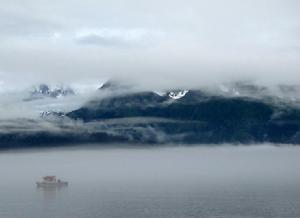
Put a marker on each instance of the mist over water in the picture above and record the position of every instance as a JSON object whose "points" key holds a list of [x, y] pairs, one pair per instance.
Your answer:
{"points": [[145, 72], [196, 181]]}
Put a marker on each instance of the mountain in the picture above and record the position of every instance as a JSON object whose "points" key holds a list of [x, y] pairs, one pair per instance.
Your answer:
{"points": [[195, 116], [44, 90], [232, 113]]}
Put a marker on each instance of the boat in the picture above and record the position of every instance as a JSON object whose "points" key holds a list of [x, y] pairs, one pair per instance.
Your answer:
{"points": [[51, 181]]}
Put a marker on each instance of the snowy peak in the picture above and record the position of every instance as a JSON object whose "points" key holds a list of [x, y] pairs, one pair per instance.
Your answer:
{"points": [[178, 94], [44, 90]]}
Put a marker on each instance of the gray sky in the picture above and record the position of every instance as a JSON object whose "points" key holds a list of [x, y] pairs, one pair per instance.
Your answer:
{"points": [[156, 43]]}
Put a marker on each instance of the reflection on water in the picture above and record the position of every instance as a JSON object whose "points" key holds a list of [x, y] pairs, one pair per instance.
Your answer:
{"points": [[179, 182], [51, 192]]}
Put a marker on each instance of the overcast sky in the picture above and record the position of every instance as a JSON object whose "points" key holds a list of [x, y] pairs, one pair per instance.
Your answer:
{"points": [[156, 43]]}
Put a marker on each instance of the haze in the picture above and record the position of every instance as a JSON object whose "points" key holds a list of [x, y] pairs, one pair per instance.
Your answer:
{"points": [[226, 181], [170, 164]]}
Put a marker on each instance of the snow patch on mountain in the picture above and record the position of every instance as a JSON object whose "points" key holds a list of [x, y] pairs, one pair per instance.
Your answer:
{"points": [[52, 115], [178, 94], [55, 91], [160, 93]]}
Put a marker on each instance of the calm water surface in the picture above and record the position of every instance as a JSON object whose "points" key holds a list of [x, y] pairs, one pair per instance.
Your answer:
{"points": [[198, 181]]}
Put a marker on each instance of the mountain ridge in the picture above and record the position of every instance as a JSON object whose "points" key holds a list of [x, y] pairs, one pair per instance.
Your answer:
{"points": [[184, 116]]}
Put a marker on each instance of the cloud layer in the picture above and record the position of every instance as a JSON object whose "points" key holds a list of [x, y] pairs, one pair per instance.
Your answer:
{"points": [[154, 43]]}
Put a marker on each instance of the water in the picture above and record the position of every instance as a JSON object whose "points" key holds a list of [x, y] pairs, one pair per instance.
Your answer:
{"points": [[199, 181]]}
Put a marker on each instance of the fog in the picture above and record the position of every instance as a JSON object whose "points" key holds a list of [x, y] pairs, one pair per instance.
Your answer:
{"points": [[130, 165], [145, 45], [16, 103], [181, 43], [127, 181]]}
